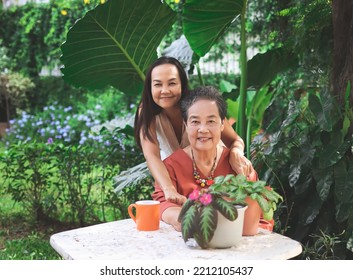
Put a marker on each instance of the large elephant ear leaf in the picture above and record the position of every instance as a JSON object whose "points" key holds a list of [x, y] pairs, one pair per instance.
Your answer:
{"points": [[114, 44], [205, 21], [264, 67]]}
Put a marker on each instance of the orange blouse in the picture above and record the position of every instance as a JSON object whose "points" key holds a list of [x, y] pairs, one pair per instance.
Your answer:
{"points": [[179, 166]]}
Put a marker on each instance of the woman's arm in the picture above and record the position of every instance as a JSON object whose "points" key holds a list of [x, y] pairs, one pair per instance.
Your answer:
{"points": [[157, 168], [233, 141], [170, 216]]}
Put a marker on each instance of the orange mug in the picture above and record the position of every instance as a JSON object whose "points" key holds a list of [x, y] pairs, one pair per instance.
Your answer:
{"points": [[147, 214]]}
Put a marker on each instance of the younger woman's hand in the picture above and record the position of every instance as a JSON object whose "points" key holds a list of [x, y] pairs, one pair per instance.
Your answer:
{"points": [[240, 163]]}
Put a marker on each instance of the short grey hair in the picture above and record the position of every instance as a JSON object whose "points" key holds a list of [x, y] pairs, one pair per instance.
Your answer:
{"points": [[203, 93]]}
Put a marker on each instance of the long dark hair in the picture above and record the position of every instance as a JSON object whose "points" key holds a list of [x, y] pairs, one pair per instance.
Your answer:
{"points": [[148, 109]]}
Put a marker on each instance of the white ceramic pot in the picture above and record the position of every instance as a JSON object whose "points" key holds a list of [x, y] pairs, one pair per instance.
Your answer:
{"points": [[228, 233]]}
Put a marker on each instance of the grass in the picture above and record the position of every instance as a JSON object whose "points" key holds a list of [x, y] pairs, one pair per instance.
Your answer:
{"points": [[21, 239], [33, 247]]}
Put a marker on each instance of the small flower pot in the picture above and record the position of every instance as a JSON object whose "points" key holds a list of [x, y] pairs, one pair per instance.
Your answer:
{"points": [[228, 233]]}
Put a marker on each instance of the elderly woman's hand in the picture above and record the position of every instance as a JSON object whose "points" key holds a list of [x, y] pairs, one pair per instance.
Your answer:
{"points": [[240, 163], [172, 195]]}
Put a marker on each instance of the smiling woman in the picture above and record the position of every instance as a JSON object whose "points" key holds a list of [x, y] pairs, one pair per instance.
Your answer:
{"points": [[204, 124], [160, 129], [166, 86]]}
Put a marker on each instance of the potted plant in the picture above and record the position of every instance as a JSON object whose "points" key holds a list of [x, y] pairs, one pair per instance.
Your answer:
{"points": [[226, 199]]}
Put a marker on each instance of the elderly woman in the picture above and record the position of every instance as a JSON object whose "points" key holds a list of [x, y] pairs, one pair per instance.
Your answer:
{"points": [[195, 166]]}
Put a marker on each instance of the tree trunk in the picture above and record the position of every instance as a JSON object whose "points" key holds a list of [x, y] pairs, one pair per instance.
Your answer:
{"points": [[342, 15]]}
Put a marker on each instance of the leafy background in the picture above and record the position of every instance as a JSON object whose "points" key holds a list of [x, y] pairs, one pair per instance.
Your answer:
{"points": [[298, 130]]}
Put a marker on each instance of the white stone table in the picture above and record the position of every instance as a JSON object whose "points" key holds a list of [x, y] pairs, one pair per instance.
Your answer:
{"points": [[121, 240]]}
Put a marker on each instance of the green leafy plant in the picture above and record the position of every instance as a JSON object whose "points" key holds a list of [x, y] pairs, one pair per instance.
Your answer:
{"points": [[324, 247], [199, 215], [28, 172], [55, 182], [239, 188], [309, 155]]}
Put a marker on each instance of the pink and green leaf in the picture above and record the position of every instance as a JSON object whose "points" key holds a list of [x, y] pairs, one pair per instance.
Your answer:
{"points": [[188, 222], [185, 208], [207, 222], [226, 208]]}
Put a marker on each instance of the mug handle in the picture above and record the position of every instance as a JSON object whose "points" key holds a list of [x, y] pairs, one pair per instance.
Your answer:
{"points": [[129, 210]]}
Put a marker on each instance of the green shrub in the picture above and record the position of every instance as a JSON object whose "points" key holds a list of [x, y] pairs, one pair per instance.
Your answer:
{"points": [[13, 98], [28, 172], [109, 104], [61, 182], [55, 122], [85, 178]]}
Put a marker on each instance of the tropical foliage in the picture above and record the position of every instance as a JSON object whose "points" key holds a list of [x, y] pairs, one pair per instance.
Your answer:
{"points": [[308, 155], [259, 74], [33, 33], [304, 114]]}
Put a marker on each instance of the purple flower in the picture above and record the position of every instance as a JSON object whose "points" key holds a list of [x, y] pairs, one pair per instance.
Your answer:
{"points": [[50, 140]]}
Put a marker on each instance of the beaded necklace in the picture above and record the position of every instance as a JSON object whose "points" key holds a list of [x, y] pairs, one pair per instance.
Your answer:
{"points": [[201, 181]]}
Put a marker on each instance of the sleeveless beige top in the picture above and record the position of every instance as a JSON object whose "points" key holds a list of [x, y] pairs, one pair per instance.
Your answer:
{"points": [[168, 142]]}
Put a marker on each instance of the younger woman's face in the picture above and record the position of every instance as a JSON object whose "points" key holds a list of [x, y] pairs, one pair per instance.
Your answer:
{"points": [[166, 86]]}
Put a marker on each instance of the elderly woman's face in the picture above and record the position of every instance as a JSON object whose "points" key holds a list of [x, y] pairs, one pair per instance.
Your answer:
{"points": [[204, 125]]}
